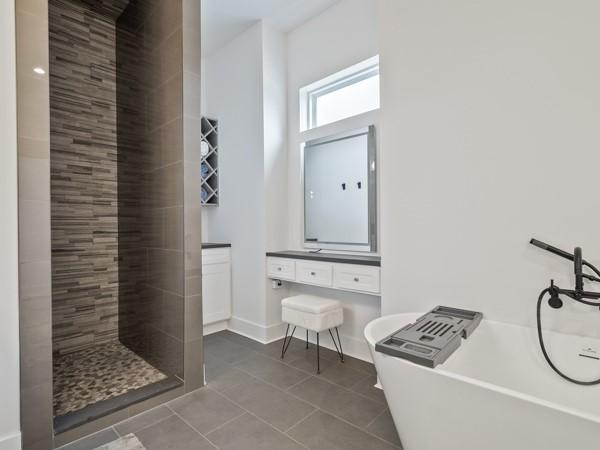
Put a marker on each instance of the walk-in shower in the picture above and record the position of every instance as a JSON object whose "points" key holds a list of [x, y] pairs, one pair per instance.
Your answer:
{"points": [[124, 239]]}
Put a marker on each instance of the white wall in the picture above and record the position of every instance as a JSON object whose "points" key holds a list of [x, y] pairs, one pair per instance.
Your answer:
{"points": [[274, 60], [245, 89], [234, 97], [489, 137], [340, 37], [9, 298]]}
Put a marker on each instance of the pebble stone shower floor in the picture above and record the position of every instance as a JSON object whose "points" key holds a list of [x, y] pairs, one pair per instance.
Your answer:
{"points": [[99, 373]]}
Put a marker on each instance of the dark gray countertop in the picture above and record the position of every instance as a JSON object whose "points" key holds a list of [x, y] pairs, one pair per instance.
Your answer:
{"points": [[208, 245], [342, 258]]}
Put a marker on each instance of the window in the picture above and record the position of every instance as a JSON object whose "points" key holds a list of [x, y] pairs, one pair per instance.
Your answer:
{"points": [[345, 94]]}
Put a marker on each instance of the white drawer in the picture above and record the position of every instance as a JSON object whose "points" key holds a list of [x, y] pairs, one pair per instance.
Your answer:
{"points": [[281, 269], [216, 255], [317, 273], [356, 278]]}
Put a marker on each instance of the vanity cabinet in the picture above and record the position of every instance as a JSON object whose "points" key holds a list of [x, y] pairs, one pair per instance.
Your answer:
{"points": [[335, 275], [216, 285]]}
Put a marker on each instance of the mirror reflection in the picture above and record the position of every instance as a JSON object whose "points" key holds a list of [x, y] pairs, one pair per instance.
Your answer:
{"points": [[339, 191]]}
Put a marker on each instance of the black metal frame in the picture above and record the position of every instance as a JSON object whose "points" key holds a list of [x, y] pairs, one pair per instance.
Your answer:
{"points": [[338, 345]]}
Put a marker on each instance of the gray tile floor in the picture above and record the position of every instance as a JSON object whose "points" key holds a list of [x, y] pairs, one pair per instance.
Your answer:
{"points": [[254, 400]]}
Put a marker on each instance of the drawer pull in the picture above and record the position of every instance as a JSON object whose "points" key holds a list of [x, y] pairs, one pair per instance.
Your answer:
{"points": [[279, 269], [356, 279], [313, 274]]}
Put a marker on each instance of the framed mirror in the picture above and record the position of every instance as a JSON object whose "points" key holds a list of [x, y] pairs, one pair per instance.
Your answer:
{"points": [[340, 191]]}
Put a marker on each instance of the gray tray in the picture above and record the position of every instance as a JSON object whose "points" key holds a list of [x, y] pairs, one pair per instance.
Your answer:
{"points": [[433, 337]]}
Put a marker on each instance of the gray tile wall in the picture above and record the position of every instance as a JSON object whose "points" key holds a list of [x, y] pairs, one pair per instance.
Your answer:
{"points": [[150, 109], [83, 168], [35, 309], [193, 337]]}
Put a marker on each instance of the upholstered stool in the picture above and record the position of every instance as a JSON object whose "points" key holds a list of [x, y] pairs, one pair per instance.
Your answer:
{"points": [[315, 314]]}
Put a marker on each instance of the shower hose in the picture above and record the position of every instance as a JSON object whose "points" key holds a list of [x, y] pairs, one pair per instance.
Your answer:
{"points": [[543, 347]]}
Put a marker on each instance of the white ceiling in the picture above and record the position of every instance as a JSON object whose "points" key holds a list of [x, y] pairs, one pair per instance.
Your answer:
{"points": [[223, 20]]}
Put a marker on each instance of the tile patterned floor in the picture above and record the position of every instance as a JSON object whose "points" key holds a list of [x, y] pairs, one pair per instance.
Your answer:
{"points": [[98, 373], [253, 400]]}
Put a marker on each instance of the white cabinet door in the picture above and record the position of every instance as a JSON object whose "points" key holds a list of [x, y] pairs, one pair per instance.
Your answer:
{"points": [[216, 292]]}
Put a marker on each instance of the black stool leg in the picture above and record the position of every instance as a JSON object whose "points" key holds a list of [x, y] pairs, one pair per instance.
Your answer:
{"points": [[318, 359], [306, 339], [287, 330], [340, 341], [285, 346], [338, 350]]}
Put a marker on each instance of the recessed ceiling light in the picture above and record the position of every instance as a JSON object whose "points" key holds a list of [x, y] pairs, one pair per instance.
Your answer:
{"points": [[39, 71]]}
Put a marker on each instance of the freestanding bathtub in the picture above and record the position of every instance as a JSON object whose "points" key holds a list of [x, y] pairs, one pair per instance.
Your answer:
{"points": [[494, 393]]}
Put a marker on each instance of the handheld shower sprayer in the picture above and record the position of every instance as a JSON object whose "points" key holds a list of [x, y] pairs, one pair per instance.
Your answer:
{"points": [[578, 263], [578, 294]]}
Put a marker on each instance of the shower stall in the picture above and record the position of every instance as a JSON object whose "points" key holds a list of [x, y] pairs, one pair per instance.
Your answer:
{"points": [[124, 205]]}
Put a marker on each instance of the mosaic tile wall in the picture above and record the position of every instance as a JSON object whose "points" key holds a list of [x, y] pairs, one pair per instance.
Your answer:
{"points": [[83, 122]]}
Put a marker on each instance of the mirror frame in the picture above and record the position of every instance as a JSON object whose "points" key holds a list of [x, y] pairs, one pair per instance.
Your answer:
{"points": [[371, 246]]}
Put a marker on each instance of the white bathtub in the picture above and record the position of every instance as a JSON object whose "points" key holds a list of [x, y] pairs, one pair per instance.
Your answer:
{"points": [[494, 393]]}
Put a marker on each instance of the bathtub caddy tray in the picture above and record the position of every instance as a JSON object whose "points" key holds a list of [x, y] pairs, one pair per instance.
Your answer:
{"points": [[433, 337]]}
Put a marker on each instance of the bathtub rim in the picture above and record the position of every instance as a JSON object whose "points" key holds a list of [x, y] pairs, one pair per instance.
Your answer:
{"points": [[411, 317]]}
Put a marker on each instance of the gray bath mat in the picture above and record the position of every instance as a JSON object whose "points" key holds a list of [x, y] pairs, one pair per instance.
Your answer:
{"points": [[128, 442]]}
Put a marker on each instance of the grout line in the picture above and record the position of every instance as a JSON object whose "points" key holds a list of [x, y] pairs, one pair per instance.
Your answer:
{"points": [[224, 394], [343, 387], [303, 419], [310, 375], [225, 423], [192, 427], [257, 417], [318, 408], [115, 430], [299, 382], [290, 361], [266, 382], [375, 418], [154, 423], [328, 412], [82, 438]]}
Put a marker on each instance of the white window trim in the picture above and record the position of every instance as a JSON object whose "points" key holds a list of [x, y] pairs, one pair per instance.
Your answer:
{"points": [[313, 96], [308, 95]]}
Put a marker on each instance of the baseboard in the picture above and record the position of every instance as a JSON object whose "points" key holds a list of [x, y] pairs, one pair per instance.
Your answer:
{"points": [[215, 327], [12, 442], [352, 346], [255, 331]]}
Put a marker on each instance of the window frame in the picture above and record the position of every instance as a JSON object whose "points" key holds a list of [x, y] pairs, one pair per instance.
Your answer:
{"points": [[313, 95]]}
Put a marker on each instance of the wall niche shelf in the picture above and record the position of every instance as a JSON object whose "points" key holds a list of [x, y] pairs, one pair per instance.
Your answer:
{"points": [[209, 165]]}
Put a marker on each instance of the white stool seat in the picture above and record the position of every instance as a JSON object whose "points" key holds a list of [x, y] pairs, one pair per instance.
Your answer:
{"points": [[311, 303], [312, 312]]}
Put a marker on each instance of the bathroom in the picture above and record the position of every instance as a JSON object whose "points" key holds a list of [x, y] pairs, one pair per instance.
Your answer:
{"points": [[215, 212]]}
